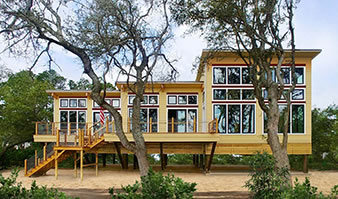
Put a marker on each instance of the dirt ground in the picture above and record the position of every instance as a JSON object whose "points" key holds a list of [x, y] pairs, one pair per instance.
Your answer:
{"points": [[216, 184]]}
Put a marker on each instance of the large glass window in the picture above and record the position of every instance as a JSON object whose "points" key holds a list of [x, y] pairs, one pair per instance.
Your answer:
{"points": [[219, 75], [298, 118], [299, 72], [248, 121], [73, 119], [234, 117], [248, 94], [64, 121], [145, 115], [285, 73], [183, 120], [234, 75], [298, 94], [246, 76], [220, 94], [234, 94], [220, 114]]}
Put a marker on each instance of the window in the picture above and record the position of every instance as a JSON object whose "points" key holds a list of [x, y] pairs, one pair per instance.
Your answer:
{"points": [[64, 103], [235, 119], [248, 121], [72, 119], [145, 115], [192, 99], [131, 99], [184, 120], [116, 102], [220, 94], [299, 72], [297, 123], [298, 94], [219, 75], [246, 76], [82, 102], [234, 94], [298, 118], [285, 73], [172, 100], [72, 103], [234, 75], [248, 94], [182, 99], [145, 100], [153, 100]]}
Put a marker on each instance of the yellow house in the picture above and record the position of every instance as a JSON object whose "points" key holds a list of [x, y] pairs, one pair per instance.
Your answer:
{"points": [[215, 114]]}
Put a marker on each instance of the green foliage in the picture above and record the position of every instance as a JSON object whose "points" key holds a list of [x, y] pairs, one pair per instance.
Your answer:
{"points": [[53, 78], [306, 190], [23, 101], [266, 181], [9, 189], [180, 159], [155, 185]]}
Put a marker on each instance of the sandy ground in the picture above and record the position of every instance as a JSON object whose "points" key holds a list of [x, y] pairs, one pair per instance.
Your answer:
{"points": [[217, 181]]}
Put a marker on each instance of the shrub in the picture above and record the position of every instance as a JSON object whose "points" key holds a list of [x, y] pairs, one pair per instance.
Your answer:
{"points": [[155, 185], [9, 189], [266, 181]]}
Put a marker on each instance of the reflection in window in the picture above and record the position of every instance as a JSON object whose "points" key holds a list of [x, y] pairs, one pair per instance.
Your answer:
{"points": [[145, 115], [282, 111], [299, 72], [131, 99], [234, 75], [82, 102], [220, 114], [72, 103], [248, 121], [248, 94], [246, 76], [145, 100], [82, 120], [172, 100], [285, 73], [234, 94], [234, 112], [116, 102], [192, 99], [219, 94], [298, 94], [192, 115], [153, 116], [153, 100], [182, 99], [298, 118], [64, 103], [219, 75], [64, 121]]}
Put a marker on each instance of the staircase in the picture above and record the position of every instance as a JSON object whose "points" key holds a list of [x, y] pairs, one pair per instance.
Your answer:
{"points": [[49, 163], [38, 168]]}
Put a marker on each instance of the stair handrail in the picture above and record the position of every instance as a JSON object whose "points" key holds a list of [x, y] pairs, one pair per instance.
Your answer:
{"points": [[39, 157]]}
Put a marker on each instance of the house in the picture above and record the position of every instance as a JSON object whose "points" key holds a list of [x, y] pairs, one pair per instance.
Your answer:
{"points": [[215, 114]]}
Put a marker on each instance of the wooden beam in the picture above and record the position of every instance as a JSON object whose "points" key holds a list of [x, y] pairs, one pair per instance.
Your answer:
{"points": [[119, 154], [305, 164], [81, 165], [56, 165], [75, 165], [25, 166], [125, 160], [135, 162], [211, 156], [161, 156], [96, 164], [36, 158]]}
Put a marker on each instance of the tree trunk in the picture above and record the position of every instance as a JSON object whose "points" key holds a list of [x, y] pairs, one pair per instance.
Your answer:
{"points": [[279, 152]]}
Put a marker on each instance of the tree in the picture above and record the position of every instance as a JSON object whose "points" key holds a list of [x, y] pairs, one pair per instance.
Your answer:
{"points": [[53, 78], [110, 33], [23, 101], [257, 31]]}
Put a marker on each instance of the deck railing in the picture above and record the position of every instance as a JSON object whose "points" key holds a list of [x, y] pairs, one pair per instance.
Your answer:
{"points": [[44, 154], [95, 130]]}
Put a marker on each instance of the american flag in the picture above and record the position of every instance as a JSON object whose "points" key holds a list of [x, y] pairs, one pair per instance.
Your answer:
{"points": [[101, 116]]}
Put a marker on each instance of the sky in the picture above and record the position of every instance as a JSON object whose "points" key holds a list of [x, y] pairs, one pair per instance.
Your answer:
{"points": [[316, 27]]}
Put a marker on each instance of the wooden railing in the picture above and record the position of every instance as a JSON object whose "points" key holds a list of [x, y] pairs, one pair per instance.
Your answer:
{"points": [[213, 126]]}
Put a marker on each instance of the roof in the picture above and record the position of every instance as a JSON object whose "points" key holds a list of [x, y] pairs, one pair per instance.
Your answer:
{"points": [[304, 53]]}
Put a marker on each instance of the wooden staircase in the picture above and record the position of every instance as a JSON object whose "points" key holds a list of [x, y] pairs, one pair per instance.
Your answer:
{"points": [[49, 163]]}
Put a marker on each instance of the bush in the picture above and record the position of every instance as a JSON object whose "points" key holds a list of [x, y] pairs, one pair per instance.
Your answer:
{"points": [[9, 188], [305, 190], [155, 185], [266, 181]]}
